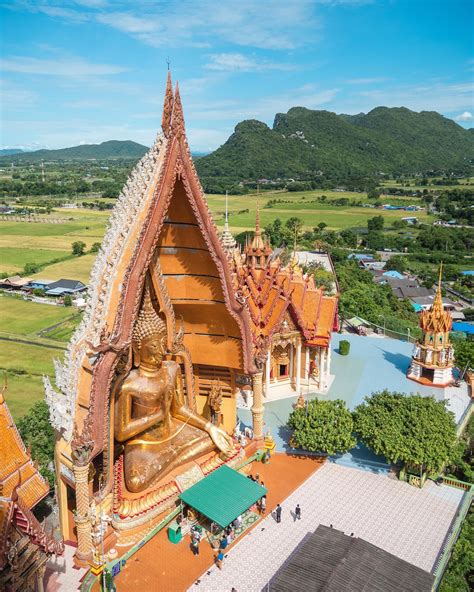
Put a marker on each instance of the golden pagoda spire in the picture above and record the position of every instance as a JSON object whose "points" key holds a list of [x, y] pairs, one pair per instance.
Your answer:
{"points": [[437, 307], [258, 232]]}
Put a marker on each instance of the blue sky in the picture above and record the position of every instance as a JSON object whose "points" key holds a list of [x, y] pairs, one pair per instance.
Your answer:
{"points": [[85, 71]]}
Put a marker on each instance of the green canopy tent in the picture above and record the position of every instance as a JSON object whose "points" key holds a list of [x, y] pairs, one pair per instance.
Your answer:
{"points": [[223, 495]]}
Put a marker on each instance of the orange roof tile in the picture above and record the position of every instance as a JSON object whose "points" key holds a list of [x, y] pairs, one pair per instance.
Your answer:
{"points": [[16, 466]]}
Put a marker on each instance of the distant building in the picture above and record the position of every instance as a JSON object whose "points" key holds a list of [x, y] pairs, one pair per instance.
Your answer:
{"points": [[38, 284], [410, 220], [63, 287], [393, 274], [14, 282]]}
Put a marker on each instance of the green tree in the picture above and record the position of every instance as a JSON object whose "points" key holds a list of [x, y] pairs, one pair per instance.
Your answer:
{"points": [[373, 193], [459, 576], [418, 431], [95, 247], [37, 434], [293, 228], [322, 426], [67, 300], [78, 248], [463, 353], [31, 268], [396, 263], [375, 223], [348, 237], [321, 226], [38, 292]]}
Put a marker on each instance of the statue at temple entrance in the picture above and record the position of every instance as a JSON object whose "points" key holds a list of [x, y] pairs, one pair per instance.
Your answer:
{"points": [[159, 431]]}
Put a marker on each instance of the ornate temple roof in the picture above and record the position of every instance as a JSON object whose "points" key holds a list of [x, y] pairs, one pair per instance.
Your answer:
{"points": [[436, 319], [21, 488], [162, 200], [270, 289], [17, 471]]}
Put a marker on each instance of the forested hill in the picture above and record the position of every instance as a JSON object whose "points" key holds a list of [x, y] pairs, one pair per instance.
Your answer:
{"points": [[106, 150], [304, 143]]}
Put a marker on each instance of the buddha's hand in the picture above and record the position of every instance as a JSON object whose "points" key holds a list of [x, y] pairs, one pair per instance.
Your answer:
{"points": [[221, 440]]}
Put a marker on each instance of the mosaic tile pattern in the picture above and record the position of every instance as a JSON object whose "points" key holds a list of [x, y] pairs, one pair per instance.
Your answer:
{"points": [[408, 522]]}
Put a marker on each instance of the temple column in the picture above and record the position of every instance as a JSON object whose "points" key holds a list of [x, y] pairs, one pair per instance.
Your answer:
{"points": [[298, 367], [306, 364], [257, 407], [82, 517], [267, 373], [292, 364], [329, 359]]}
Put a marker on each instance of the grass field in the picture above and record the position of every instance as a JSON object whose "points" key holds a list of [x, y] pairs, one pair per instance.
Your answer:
{"points": [[309, 210], [78, 268], [23, 242], [22, 393], [25, 363], [21, 317], [13, 259], [24, 366]]}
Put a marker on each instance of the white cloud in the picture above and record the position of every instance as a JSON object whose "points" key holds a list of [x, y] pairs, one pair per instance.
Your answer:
{"points": [[273, 24], [365, 80], [466, 116], [14, 96], [70, 67], [237, 62], [436, 96]]}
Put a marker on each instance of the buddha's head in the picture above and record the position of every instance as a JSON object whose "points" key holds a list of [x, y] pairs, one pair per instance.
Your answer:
{"points": [[149, 334]]}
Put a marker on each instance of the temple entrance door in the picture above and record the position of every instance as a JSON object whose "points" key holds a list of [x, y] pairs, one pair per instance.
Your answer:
{"points": [[283, 370], [71, 505], [428, 374]]}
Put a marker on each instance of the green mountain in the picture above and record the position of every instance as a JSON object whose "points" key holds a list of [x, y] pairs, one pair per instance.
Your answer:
{"points": [[10, 151], [107, 150], [304, 143]]}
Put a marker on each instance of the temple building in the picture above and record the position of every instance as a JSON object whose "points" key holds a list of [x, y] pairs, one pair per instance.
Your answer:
{"points": [[291, 318], [145, 402], [25, 546], [433, 355]]}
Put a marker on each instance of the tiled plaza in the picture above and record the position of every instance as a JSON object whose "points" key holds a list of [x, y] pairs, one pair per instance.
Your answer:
{"points": [[411, 523]]}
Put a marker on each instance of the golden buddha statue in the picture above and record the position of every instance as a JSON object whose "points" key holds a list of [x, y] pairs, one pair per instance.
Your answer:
{"points": [[158, 430]]}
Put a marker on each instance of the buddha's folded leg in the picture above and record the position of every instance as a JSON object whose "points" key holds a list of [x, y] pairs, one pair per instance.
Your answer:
{"points": [[146, 463]]}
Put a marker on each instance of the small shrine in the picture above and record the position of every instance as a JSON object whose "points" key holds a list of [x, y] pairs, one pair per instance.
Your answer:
{"points": [[291, 318], [433, 355]]}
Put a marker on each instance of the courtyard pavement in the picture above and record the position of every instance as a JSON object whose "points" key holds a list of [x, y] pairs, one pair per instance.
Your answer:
{"points": [[373, 364], [411, 523]]}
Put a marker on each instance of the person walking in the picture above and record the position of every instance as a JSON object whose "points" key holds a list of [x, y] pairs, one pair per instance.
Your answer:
{"points": [[278, 513], [220, 558], [297, 512], [263, 505]]}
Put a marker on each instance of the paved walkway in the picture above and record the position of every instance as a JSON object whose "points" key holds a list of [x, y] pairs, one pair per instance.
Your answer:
{"points": [[408, 522]]}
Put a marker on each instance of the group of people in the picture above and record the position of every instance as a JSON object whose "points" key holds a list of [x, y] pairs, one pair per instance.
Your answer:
{"points": [[296, 514], [262, 502]]}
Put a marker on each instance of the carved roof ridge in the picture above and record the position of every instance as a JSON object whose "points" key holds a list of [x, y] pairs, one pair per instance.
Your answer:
{"points": [[177, 118], [167, 107]]}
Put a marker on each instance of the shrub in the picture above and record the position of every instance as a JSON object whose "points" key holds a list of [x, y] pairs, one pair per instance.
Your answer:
{"points": [[344, 347]]}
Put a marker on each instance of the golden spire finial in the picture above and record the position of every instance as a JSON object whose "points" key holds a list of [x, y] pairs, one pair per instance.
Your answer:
{"points": [[437, 309], [257, 219]]}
